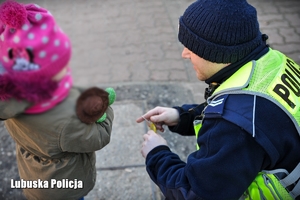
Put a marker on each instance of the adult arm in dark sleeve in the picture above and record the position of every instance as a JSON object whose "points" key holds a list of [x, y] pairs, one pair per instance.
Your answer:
{"points": [[187, 115], [223, 168]]}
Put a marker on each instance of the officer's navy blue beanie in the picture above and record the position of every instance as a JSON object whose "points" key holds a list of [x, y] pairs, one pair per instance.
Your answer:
{"points": [[220, 31]]}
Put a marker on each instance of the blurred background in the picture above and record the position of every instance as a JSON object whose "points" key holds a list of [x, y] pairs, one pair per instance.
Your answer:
{"points": [[132, 45]]}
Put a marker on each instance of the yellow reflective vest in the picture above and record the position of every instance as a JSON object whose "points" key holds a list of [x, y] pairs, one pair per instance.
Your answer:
{"points": [[276, 78]]}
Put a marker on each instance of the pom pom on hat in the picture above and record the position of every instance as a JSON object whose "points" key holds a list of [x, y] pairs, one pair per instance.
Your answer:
{"points": [[13, 14], [220, 31]]}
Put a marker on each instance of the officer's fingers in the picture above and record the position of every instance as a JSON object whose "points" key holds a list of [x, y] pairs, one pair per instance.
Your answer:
{"points": [[145, 136]]}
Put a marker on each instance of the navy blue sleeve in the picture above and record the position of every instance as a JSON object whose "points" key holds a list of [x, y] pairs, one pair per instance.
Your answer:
{"points": [[187, 114], [227, 156], [230, 154]]}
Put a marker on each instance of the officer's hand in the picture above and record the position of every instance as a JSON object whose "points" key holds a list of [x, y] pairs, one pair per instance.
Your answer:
{"points": [[151, 140], [161, 116]]}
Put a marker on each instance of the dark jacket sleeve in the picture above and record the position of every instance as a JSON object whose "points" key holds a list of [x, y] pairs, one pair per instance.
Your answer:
{"points": [[229, 157], [224, 153], [187, 115], [80, 137]]}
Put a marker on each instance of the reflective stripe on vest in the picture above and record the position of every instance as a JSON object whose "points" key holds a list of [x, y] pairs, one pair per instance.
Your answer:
{"points": [[266, 186], [197, 127], [278, 80], [274, 77]]}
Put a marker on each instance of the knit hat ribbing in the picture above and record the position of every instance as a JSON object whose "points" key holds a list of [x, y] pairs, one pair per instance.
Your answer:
{"points": [[220, 31]]}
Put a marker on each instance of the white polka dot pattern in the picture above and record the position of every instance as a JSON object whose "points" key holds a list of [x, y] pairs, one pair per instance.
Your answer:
{"points": [[25, 27], [54, 57], [5, 59], [42, 54], [31, 36], [46, 104], [67, 45], [50, 47], [67, 85], [44, 26], [16, 39], [45, 39], [56, 43], [38, 16], [54, 98]]}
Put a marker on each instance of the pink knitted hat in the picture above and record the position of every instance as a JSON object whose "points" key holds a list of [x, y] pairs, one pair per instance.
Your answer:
{"points": [[32, 50]]}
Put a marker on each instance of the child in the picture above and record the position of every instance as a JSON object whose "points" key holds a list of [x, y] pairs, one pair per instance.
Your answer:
{"points": [[55, 150]]}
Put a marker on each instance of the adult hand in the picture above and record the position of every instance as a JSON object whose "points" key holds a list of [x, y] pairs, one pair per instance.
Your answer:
{"points": [[151, 140], [161, 116]]}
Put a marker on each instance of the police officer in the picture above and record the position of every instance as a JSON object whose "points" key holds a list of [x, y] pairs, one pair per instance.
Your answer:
{"points": [[248, 128]]}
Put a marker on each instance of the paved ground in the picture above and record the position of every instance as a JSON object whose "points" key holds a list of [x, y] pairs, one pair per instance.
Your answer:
{"points": [[132, 46]]}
